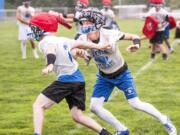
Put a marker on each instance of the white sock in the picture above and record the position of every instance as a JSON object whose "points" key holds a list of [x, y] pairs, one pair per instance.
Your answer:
{"points": [[35, 53], [148, 108], [98, 109], [23, 49]]}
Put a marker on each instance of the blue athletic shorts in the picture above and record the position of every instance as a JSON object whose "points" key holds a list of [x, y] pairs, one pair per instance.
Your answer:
{"points": [[166, 32], [105, 86]]}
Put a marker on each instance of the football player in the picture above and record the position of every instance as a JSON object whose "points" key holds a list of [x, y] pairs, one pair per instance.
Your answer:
{"points": [[70, 84], [113, 71], [161, 15], [80, 5], [109, 14], [24, 14]]}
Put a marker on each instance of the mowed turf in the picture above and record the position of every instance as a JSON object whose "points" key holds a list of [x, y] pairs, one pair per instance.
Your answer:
{"points": [[21, 81]]}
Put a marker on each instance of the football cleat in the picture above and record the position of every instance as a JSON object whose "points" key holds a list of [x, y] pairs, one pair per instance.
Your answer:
{"points": [[126, 132], [171, 129]]}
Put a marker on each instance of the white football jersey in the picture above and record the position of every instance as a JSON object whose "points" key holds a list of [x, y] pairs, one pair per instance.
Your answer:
{"points": [[160, 16], [26, 13], [65, 64], [108, 61], [109, 14]]}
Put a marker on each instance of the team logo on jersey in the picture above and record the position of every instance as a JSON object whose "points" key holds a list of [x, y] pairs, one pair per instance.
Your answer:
{"points": [[149, 26], [130, 91], [65, 47]]}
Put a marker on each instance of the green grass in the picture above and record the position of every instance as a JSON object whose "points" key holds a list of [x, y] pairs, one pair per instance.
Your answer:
{"points": [[21, 81]]}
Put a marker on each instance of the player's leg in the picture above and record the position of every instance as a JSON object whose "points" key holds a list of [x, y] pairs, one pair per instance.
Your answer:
{"points": [[76, 102], [163, 51], [168, 44], [54, 93], [33, 45], [166, 39], [101, 93], [79, 117], [23, 39], [153, 51], [41, 103], [34, 49], [159, 43], [23, 48], [129, 90], [150, 109]]}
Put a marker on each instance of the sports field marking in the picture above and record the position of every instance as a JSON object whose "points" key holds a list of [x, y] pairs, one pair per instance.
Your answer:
{"points": [[140, 71]]}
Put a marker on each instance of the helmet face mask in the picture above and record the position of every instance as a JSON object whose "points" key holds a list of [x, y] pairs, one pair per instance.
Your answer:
{"points": [[87, 27], [37, 33]]}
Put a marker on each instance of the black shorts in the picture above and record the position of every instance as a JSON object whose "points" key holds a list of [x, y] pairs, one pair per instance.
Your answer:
{"points": [[158, 38], [74, 93]]}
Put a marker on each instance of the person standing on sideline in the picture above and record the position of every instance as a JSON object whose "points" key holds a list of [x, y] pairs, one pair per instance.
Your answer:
{"points": [[23, 15]]}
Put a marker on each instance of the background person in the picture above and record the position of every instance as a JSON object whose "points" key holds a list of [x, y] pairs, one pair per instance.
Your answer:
{"points": [[23, 15]]}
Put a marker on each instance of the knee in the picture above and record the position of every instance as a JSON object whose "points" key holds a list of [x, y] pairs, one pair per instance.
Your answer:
{"points": [[94, 107], [135, 103], [77, 117], [37, 106]]}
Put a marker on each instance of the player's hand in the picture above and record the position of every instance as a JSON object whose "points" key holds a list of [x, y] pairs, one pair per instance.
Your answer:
{"points": [[82, 53], [47, 69], [132, 48], [104, 46]]}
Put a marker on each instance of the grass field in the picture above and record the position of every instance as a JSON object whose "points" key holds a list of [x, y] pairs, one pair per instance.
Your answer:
{"points": [[21, 81]]}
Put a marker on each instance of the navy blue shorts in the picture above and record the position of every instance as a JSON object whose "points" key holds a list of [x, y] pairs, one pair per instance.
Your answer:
{"points": [[166, 32]]}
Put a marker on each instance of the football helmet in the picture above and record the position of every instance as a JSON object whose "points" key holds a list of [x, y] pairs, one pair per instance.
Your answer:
{"points": [[93, 15], [43, 23]]}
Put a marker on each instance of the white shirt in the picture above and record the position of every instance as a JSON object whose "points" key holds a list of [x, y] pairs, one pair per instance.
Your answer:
{"points": [[109, 14], [108, 61], [65, 64], [160, 16], [78, 26], [26, 13]]}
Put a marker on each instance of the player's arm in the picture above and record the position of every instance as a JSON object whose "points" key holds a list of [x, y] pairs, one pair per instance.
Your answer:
{"points": [[135, 39], [18, 16], [50, 54], [76, 52], [89, 45], [64, 19]]}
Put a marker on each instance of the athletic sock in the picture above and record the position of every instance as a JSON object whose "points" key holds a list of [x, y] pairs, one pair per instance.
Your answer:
{"points": [[164, 56], [35, 53], [153, 55], [23, 49], [104, 132]]}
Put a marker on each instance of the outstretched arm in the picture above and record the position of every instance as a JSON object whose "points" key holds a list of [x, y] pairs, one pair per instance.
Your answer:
{"points": [[62, 19], [76, 52], [136, 42], [89, 45]]}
